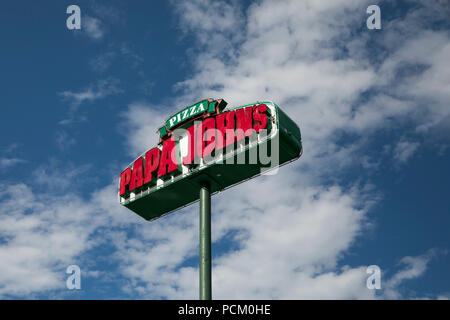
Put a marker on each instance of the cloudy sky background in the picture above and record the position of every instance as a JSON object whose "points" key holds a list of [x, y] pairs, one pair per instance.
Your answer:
{"points": [[370, 189]]}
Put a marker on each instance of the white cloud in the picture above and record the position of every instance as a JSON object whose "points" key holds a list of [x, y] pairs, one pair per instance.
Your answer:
{"points": [[11, 148], [215, 23], [63, 139], [288, 242], [99, 90], [103, 61], [9, 162], [42, 233], [414, 268], [141, 122], [290, 239], [305, 57], [53, 178], [133, 59], [92, 27], [405, 150], [124, 51], [40, 238], [97, 23]]}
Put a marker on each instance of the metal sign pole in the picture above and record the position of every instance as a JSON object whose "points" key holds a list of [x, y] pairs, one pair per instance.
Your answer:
{"points": [[205, 243]]}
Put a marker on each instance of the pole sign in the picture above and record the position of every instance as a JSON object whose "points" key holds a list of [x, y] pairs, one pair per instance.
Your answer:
{"points": [[204, 143]]}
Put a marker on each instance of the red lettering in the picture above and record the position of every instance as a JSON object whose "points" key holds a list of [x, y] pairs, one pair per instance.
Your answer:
{"points": [[168, 162], [125, 178], [225, 129], [243, 123], [260, 116], [137, 177], [206, 136], [189, 158], [151, 164]]}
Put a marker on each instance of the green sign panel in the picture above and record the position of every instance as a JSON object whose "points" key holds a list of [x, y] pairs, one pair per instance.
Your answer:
{"points": [[204, 143], [187, 113], [208, 106]]}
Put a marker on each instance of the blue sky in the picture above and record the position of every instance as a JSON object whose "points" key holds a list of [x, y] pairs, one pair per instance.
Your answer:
{"points": [[370, 189]]}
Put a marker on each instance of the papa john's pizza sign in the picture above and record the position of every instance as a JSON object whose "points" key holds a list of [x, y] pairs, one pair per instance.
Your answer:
{"points": [[203, 143]]}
